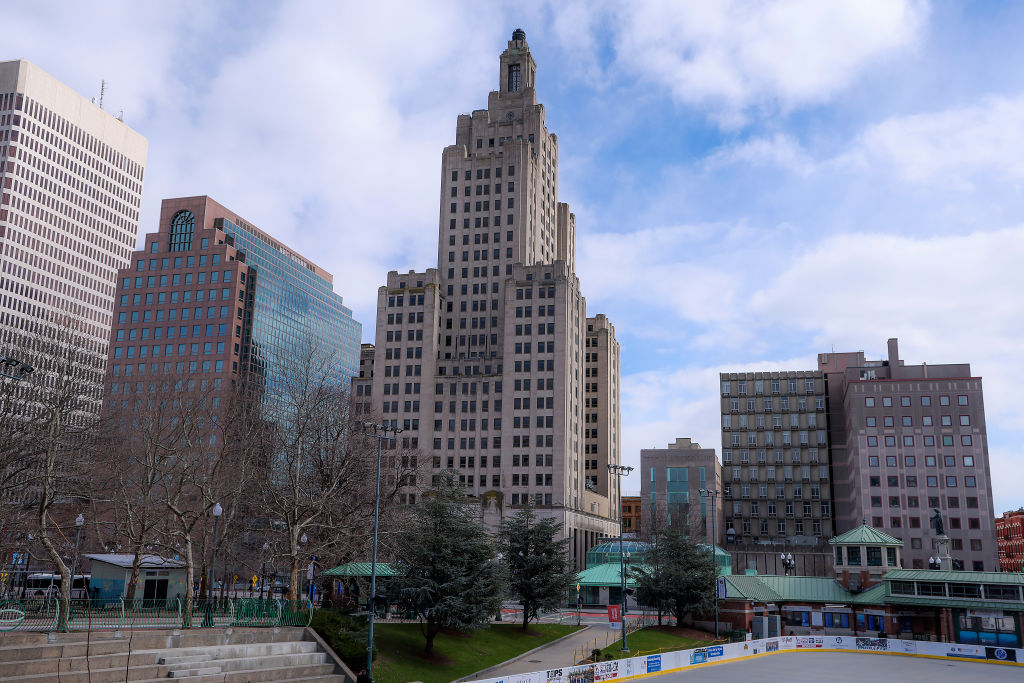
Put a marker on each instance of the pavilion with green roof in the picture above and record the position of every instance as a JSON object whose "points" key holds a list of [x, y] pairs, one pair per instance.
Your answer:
{"points": [[863, 555]]}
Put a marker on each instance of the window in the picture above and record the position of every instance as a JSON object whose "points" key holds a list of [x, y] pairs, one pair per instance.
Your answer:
{"points": [[872, 461], [887, 421], [887, 401], [950, 482], [965, 439], [514, 78], [933, 482], [182, 227], [961, 400], [970, 482], [905, 401], [871, 422], [943, 400], [965, 420], [908, 441], [910, 461], [872, 441], [869, 401], [926, 401], [890, 461]]}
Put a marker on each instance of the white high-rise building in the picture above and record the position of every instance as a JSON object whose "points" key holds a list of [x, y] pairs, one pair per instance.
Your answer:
{"points": [[490, 362], [71, 177]]}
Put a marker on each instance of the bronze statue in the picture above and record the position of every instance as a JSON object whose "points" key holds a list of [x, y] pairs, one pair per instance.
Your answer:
{"points": [[940, 530]]}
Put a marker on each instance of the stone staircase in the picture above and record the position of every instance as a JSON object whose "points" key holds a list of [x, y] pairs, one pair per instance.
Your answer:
{"points": [[234, 655]]}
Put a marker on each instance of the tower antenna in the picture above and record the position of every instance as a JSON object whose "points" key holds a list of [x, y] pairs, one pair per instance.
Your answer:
{"points": [[103, 91]]}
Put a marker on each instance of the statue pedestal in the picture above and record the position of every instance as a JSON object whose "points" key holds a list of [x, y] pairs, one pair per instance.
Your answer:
{"points": [[942, 551]]}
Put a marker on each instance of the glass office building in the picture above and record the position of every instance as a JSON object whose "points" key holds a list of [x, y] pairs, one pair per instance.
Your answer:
{"points": [[212, 300], [294, 305]]}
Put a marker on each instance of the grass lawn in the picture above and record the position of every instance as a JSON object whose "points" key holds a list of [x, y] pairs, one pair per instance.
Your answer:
{"points": [[400, 655], [655, 639]]}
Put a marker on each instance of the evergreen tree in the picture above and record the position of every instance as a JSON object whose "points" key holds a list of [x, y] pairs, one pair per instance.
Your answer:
{"points": [[449, 573], [678, 575], [537, 563]]}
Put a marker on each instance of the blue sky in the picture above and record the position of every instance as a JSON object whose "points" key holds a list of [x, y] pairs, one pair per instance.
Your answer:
{"points": [[754, 183]]}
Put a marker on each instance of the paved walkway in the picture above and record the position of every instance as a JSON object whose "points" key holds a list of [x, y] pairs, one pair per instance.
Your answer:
{"points": [[555, 655]]}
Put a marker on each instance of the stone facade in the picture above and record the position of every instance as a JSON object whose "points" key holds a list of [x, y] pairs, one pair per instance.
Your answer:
{"points": [[775, 457], [499, 372]]}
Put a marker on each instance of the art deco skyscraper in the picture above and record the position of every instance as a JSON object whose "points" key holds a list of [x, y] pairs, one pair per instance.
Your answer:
{"points": [[71, 177], [489, 362]]}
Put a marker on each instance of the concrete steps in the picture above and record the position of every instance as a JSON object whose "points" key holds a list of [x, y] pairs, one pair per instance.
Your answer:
{"points": [[234, 655]]}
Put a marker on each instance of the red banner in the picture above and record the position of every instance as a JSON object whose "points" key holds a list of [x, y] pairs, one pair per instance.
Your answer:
{"points": [[613, 612]]}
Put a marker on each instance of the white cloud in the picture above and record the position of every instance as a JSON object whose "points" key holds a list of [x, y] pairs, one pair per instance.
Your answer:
{"points": [[952, 147], [780, 150], [733, 55]]}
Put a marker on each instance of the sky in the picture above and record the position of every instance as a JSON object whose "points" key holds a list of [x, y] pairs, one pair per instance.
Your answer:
{"points": [[754, 183]]}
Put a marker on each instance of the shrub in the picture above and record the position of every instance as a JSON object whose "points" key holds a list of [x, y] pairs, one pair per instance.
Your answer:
{"points": [[344, 634]]}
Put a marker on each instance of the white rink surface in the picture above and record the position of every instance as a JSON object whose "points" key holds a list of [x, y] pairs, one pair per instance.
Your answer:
{"points": [[846, 667]]}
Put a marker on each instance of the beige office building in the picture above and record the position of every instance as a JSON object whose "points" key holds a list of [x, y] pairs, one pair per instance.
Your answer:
{"points": [[490, 363], [671, 481], [71, 177]]}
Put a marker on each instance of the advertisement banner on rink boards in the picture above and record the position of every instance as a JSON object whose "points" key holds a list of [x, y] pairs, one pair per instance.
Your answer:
{"points": [[877, 644], [681, 659]]}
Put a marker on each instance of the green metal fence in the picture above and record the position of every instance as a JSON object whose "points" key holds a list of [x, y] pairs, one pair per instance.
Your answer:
{"points": [[43, 614]]}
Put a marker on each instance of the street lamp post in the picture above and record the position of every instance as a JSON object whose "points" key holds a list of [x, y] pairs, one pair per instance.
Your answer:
{"points": [[79, 523], [713, 494], [621, 471], [9, 366], [208, 621], [379, 432], [263, 568]]}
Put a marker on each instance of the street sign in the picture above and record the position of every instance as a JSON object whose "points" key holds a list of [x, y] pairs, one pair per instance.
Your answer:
{"points": [[255, 580]]}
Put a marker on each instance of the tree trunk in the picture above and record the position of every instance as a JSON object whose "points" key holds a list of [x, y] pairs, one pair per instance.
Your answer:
{"points": [[432, 632], [190, 575], [293, 579], [129, 595]]}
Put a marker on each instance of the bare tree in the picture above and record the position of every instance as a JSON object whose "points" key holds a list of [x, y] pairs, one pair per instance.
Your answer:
{"points": [[319, 469], [55, 418], [202, 461]]}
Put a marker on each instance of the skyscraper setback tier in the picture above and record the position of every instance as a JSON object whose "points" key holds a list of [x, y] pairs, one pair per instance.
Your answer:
{"points": [[71, 176], [489, 362], [212, 298]]}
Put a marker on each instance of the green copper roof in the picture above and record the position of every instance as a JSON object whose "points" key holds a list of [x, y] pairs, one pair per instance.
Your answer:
{"points": [[1008, 606], [872, 596], [604, 575], [865, 535], [1013, 578], [749, 588], [361, 569], [806, 588]]}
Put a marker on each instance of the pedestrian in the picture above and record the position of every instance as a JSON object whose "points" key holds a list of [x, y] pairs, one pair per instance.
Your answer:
{"points": [[362, 677]]}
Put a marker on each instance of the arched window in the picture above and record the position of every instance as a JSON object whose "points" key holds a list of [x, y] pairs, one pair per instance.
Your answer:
{"points": [[182, 226]]}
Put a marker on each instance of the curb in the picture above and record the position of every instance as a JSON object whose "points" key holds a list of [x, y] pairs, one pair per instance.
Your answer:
{"points": [[476, 674]]}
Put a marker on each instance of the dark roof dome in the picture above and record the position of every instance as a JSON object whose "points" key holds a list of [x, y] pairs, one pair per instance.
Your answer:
{"points": [[519, 34]]}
